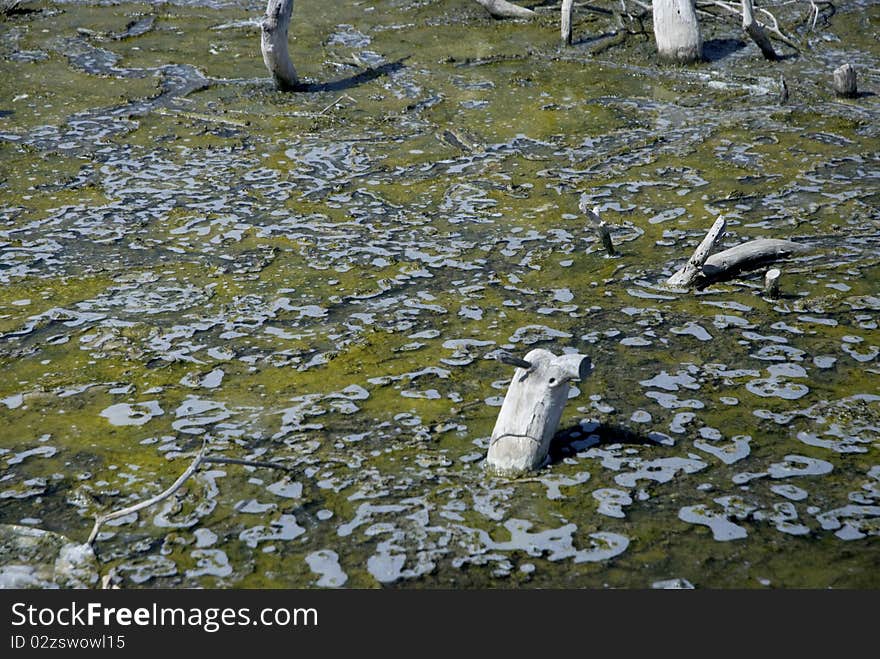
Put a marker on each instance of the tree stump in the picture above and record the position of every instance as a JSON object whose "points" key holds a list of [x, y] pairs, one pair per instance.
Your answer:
{"points": [[532, 409], [845, 81]]}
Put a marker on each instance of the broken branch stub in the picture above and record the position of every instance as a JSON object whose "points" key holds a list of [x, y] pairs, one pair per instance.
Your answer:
{"points": [[845, 81], [532, 409], [692, 270]]}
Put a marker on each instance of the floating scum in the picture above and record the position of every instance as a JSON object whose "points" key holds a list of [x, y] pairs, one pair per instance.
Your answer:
{"points": [[315, 286]]}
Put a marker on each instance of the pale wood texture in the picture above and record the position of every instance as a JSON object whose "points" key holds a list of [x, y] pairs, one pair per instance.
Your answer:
{"points": [[532, 409], [748, 256], [771, 283], [503, 9], [273, 44], [565, 21], [692, 270], [677, 31]]}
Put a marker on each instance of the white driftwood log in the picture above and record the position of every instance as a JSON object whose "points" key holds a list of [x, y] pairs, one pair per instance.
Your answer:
{"points": [[273, 44], [565, 21], [756, 31], [747, 256], [532, 409], [503, 9], [692, 270], [677, 30]]}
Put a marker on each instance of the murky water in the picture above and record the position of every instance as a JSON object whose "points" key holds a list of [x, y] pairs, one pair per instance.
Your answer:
{"points": [[322, 279]]}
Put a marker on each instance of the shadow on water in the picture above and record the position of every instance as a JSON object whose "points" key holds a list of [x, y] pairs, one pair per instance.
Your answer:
{"points": [[355, 80], [718, 49], [580, 437]]}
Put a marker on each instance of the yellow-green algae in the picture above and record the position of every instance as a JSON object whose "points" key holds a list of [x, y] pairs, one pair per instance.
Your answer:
{"points": [[304, 244]]}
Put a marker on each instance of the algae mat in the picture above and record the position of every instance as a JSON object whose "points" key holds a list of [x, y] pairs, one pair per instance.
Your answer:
{"points": [[322, 279]]}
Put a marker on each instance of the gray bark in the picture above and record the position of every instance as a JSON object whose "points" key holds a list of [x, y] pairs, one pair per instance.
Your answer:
{"points": [[771, 283], [845, 81], [565, 21], [677, 31], [273, 44], [692, 270], [747, 256], [532, 409], [756, 31]]}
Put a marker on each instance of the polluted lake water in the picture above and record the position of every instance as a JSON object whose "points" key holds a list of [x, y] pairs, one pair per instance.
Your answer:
{"points": [[323, 280]]}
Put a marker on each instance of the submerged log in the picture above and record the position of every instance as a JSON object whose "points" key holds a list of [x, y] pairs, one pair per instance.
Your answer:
{"points": [[503, 9], [273, 44], [677, 31], [532, 409]]}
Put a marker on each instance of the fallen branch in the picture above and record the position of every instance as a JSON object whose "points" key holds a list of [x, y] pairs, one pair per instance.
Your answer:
{"points": [[503, 9], [773, 27], [690, 272], [198, 461]]}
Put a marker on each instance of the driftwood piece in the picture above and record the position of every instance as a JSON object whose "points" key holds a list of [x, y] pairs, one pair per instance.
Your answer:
{"points": [[677, 31], [532, 409], [503, 9], [565, 21], [845, 81], [747, 256], [273, 44], [756, 31], [692, 270]]}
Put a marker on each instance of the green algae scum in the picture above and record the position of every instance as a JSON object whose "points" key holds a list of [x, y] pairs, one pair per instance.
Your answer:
{"points": [[322, 279]]}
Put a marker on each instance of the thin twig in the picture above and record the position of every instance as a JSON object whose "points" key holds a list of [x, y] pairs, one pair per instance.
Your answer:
{"points": [[198, 461], [116, 514]]}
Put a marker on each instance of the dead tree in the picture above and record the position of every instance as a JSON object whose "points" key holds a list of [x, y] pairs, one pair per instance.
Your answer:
{"points": [[273, 44], [677, 31]]}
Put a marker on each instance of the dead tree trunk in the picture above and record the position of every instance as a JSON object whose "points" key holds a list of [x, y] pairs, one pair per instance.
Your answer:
{"points": [[677, 31], [532, 409], [565, 21], [273, 43]]}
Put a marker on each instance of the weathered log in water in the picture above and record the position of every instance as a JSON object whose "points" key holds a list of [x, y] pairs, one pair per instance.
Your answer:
{"points": [[532, 409], [746, 256], [503, 9]]}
